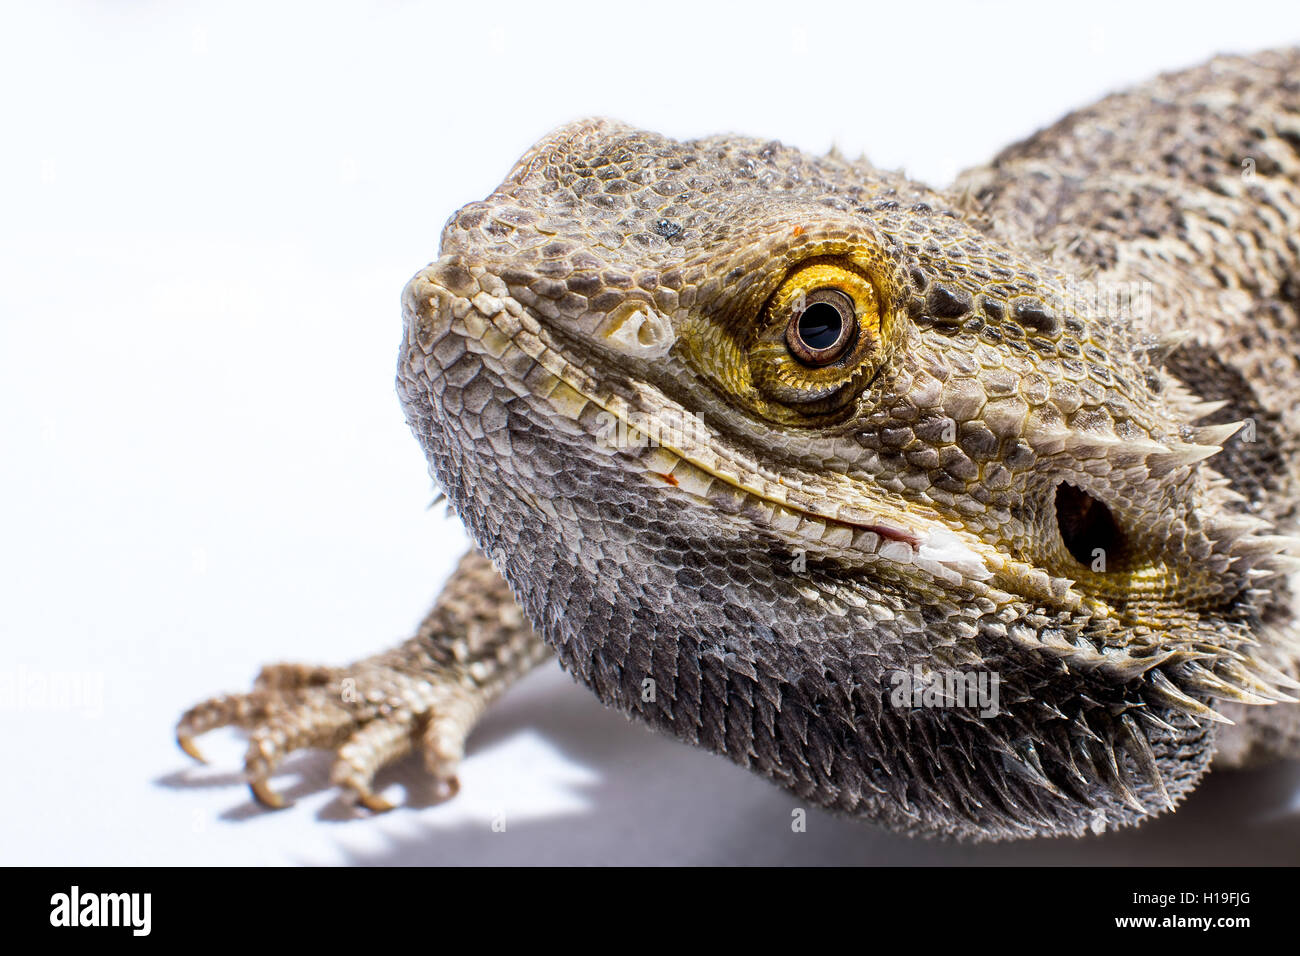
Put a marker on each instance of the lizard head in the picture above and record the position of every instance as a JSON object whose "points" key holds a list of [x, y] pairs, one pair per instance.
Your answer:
{"points": [[751, 434]]}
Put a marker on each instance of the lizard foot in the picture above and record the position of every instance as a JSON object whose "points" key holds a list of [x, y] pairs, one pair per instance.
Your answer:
{"points": [[425, 694], [370, 715]]}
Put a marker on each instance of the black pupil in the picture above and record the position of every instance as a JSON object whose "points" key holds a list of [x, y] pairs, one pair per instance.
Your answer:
{"points": [[820, 326]]}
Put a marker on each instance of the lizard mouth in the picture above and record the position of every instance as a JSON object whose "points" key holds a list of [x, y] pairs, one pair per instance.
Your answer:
{"points": [[827, 514], [461, 320]]}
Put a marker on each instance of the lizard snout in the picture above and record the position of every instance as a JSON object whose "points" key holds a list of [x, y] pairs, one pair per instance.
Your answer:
{"points": [[431, 299]]}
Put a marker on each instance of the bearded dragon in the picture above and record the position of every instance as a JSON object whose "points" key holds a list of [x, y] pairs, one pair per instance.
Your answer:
{"points": [[742, 434]]}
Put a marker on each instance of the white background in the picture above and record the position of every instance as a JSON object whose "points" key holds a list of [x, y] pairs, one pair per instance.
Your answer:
{"points": [[207, 213]]}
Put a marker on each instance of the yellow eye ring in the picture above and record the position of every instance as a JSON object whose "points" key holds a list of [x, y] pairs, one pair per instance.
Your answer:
{"points": [[836, 283], [819, 337]]}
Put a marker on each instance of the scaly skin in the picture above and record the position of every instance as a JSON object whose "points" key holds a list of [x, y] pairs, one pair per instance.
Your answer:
{"points": [[997, 474]]}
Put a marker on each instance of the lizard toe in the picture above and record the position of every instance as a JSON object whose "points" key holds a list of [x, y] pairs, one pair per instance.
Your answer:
{"points": [[318, 720], [226, 710], [378, 743]]}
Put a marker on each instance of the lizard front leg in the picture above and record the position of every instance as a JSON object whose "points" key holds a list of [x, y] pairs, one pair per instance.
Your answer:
{"points": [[425, 694]]}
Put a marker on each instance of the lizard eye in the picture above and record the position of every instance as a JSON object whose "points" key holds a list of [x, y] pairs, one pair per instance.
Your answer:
{"points": [[819, 337], [823, 329]]}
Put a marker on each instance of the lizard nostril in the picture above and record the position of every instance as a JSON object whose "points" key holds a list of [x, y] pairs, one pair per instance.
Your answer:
{"points": [[1088, 528]]}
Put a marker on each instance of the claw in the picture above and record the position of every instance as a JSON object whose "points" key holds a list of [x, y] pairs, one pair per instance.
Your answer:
{"points": [[186, 743], [448, 787], [267, 797], [374, 802]]}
